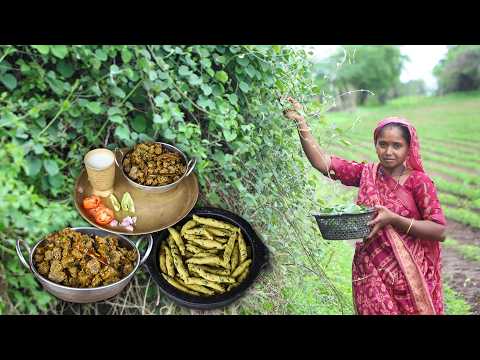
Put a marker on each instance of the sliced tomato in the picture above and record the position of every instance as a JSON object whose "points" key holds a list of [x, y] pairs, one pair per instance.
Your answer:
{"points": [[91, 202], [93, 211], [104, 216]]}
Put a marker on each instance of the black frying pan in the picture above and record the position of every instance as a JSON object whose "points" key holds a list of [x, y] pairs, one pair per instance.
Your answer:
{"points": [[259, 261]]}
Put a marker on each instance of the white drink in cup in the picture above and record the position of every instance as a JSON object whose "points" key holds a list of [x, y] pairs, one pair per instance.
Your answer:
{"points": [[100, 165]]}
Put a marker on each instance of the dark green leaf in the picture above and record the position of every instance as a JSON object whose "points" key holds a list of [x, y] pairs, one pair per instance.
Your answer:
{"points": [[116, 118], [42, 49], [194, 80], [101, 55], [229, 135], [233, 99], [244, 86], [38, 149], [9, 81], [56, 181], [242, 61], [126, 55], [33, 166], [114, 110], [51, 167], [157, 119], [65, 69], [59, 51], [183, 70], [250, 71], [114, 69], [94, 107], [207, 90], [169, 134], [139, 123], [123, 133], [118, 92]]}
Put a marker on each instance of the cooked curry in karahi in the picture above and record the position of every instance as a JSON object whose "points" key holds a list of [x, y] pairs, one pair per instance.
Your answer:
{"points": [[153, 165], [73, 259]]}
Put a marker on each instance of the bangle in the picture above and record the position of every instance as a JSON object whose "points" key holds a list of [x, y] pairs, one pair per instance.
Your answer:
{"points": [[411, 223]]}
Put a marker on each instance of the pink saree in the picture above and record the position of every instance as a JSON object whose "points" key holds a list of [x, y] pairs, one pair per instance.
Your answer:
{"points": [[395, 273]]}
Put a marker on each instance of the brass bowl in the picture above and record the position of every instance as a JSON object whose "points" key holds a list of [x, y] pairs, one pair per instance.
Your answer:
{"points": [[155, 211]]}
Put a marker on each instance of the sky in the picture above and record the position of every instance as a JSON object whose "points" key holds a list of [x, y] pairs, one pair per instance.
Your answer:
{"points": [[423, 59]]}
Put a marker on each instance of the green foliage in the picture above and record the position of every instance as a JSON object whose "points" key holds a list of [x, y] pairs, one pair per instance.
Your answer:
{"points": [[459, 70], [344, 209], [218, 103], [370, 68]]}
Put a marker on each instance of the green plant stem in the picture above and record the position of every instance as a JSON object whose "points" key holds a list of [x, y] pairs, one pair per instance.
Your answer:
{"points": [[10, 251], [61, 110]]}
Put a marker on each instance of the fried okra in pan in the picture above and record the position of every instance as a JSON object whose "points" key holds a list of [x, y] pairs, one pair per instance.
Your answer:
{"points": [[205, 257]]}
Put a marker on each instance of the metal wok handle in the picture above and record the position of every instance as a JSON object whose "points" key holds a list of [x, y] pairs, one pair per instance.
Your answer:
{"points": [[19, 252], [149, 249], [115, 152], [190, 169]]}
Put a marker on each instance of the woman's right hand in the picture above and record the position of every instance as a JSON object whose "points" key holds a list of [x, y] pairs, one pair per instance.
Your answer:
{"points": [[293, 114]]}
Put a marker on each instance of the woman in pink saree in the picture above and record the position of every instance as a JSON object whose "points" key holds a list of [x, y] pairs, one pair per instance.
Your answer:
{"points": [[396, 269]]}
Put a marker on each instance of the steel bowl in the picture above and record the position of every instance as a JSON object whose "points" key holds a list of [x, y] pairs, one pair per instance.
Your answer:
{"points": [[161, 188], [86, 295]]}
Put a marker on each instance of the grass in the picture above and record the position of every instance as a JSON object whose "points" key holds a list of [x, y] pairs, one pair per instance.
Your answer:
{"points": [[464, 216], [312, 300], [470, 252], [455, 304], [431, 146], [457, 189], [466, 179], [449, 199]]}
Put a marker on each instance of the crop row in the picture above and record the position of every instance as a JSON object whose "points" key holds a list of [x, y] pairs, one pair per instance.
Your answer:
{"points": [[470, 252], [459, 154], [465, 178], [462, 215], [475, 165], [442, 185], [457, 189]]}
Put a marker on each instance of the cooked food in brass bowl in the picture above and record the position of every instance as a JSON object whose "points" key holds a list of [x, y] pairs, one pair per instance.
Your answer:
{"points": [[155, 166]]}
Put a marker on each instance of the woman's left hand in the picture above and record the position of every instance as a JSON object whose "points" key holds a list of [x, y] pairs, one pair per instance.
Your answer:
{"points": [[383, 218]]}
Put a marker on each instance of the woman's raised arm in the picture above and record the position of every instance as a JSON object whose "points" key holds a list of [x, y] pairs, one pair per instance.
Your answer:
{"points": [[315, 155]]}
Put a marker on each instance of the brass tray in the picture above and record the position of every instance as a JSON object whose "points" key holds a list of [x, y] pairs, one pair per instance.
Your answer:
{"points": [[154, 211]]}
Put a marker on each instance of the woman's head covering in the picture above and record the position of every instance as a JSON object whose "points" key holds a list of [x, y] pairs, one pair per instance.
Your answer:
{"points": [[413, 160]]}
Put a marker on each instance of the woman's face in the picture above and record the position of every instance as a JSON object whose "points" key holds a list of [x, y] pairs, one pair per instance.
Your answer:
{"points": [[391, 147]]}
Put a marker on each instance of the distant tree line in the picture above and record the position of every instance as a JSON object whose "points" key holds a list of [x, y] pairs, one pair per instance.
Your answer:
{"points": [[355, 72], [459, 70]]}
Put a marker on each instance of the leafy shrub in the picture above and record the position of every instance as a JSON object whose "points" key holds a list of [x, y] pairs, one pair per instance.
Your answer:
{"points": [[217, 103]]}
